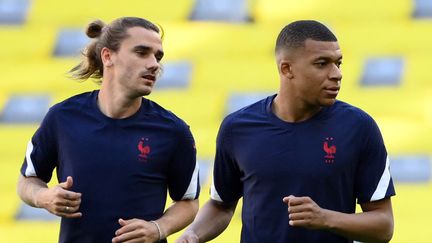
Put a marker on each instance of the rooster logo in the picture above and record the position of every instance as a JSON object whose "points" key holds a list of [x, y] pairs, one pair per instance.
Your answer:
{"points": [[330, 150], [143, 149]]}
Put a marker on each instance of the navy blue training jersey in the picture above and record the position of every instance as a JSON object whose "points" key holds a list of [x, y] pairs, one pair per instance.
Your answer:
{"points": [[122, 167], [337, 157]]}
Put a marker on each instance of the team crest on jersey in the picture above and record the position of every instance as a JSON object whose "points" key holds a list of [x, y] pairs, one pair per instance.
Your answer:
{"points": [[330, 150], [144, 149]]}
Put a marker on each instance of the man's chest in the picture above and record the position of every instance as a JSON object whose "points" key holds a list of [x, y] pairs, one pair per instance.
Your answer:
{"points": [[315, 152], [111, 147]]}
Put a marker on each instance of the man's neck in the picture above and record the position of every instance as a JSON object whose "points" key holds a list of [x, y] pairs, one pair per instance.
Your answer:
{"points": [[116, 104], [291, 110]]}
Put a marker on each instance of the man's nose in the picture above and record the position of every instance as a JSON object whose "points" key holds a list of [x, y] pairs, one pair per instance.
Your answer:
{"points": [[153, 64], [335, 73]]}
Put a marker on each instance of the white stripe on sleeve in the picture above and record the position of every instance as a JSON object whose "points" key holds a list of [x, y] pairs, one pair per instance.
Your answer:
{"points": [[30, 171], [193, 185], [383, 183], [214, 194]]}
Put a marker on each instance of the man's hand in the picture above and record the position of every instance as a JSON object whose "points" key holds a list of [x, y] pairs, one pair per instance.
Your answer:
{"points": [[136, 230], [59, 200], [304, 212], [188, 237]]}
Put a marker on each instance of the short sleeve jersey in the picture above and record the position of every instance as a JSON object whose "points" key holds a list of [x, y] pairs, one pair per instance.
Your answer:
{"points": [[337, 157], [122, 167]]}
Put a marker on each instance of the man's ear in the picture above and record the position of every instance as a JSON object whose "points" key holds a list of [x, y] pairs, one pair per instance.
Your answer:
{"points": [[285, 68], [106, 57]]}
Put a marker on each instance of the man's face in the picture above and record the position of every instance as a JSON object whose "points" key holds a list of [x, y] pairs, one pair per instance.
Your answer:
{"points": [[136, 64], [316, 72]]}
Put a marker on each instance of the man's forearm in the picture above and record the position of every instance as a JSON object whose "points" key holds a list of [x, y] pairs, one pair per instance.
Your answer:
{"points": [[178, 216], [369, 226], [28, 187], [212, 220]]}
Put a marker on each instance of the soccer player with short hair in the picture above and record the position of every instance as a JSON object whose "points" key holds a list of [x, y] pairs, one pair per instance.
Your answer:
{"points": [[116, 153], [300, 158]]}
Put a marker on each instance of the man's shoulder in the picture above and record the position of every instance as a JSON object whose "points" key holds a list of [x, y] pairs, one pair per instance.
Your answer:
{"points": [[164, 114], [348, 111], [75, 101], [253, 112], [67, 107], [252, 109]]}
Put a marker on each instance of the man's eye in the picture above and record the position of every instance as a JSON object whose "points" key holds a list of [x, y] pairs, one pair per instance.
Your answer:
{"points": [[159, 57]]}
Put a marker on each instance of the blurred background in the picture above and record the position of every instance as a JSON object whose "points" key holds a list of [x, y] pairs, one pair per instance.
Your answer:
{"points": [[218, 58]]}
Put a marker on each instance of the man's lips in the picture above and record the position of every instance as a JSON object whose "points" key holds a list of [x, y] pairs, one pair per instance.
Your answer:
{"points": [[332, 90], [149, 77]]}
